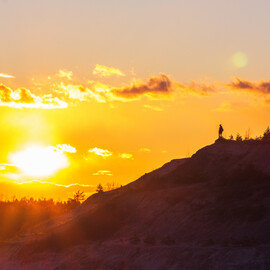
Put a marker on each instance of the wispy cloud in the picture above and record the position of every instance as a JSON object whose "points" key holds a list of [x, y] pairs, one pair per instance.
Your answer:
{"points": [[100, 152], [7, 168], [95, 91], [126, 156], [144, 150], [103, 172], [104, 71], [224, 107], [51, 183], [23, 98], [65, 74], [197, 88], [262, 87], [154, 88], [2, 75], [153, 108], [160, 87], [64, 148]]}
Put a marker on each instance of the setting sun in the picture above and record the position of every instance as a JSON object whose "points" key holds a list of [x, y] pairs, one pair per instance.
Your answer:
{"points": [[39, 161], [134, 135]]}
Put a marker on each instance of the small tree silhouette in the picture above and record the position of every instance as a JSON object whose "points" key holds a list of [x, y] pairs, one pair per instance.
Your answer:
{"points": [[79, 196], [239, 138], [111, 186], [99, 189], [266, 134]]}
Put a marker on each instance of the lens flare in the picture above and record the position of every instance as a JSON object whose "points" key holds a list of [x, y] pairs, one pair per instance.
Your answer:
{"points": [[239, 59], [39, 161]]}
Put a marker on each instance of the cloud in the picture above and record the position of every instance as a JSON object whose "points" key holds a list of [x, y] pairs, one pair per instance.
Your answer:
{"points": [[144, 150], [7, 168], [262, 87], [196, 88], [74, 91], [154, 87], [96, 91], [48, 189], [106, 153], [224, 107], [126, 156], [23, 98], [2, 75], [54, 184], [65, 74], [161, 87], [104, 71], [100, 152], [153, 108], [64, 148], [103, 172]]}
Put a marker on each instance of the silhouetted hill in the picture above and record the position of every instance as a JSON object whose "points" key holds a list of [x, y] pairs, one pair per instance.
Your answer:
{"points": [[210, 211]]}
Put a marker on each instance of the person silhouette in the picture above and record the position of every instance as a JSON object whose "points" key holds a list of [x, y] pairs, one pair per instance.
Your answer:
{"points": [[220, 131]]}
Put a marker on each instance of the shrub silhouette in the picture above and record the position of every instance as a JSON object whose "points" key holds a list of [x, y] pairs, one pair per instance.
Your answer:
{"points": [[247, 137], [111, 186], [99, 189], [266, 134], [239, 138]]}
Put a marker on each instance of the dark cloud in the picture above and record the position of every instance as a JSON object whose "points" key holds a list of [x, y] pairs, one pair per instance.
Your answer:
{"points": [[256, 87], [155, 86]]}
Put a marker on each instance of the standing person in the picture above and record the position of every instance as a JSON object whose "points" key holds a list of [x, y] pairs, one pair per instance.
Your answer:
{"points": [[220, 131]]}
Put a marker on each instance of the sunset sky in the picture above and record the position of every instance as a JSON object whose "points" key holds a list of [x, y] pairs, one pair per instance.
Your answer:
{"points": [[105, 91]]}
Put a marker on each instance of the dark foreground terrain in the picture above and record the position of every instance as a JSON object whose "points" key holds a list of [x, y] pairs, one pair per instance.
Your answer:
{"points": [[210, 211]]}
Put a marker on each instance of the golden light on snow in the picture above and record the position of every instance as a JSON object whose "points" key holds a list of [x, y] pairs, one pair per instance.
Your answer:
{"points": [[39, 161], [239, 59]]}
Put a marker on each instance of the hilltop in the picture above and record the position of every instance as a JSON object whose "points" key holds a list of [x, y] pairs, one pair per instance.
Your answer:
{"points": [[209, 211]]}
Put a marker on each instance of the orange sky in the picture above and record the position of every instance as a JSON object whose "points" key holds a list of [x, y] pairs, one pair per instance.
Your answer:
{"points": [[92, 94]]}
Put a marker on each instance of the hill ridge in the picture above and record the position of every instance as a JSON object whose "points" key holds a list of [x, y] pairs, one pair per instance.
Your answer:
{"points": [[212, 210]]}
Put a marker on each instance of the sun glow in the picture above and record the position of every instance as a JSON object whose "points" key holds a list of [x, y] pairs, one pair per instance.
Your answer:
{"points": [[39, 161]]}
